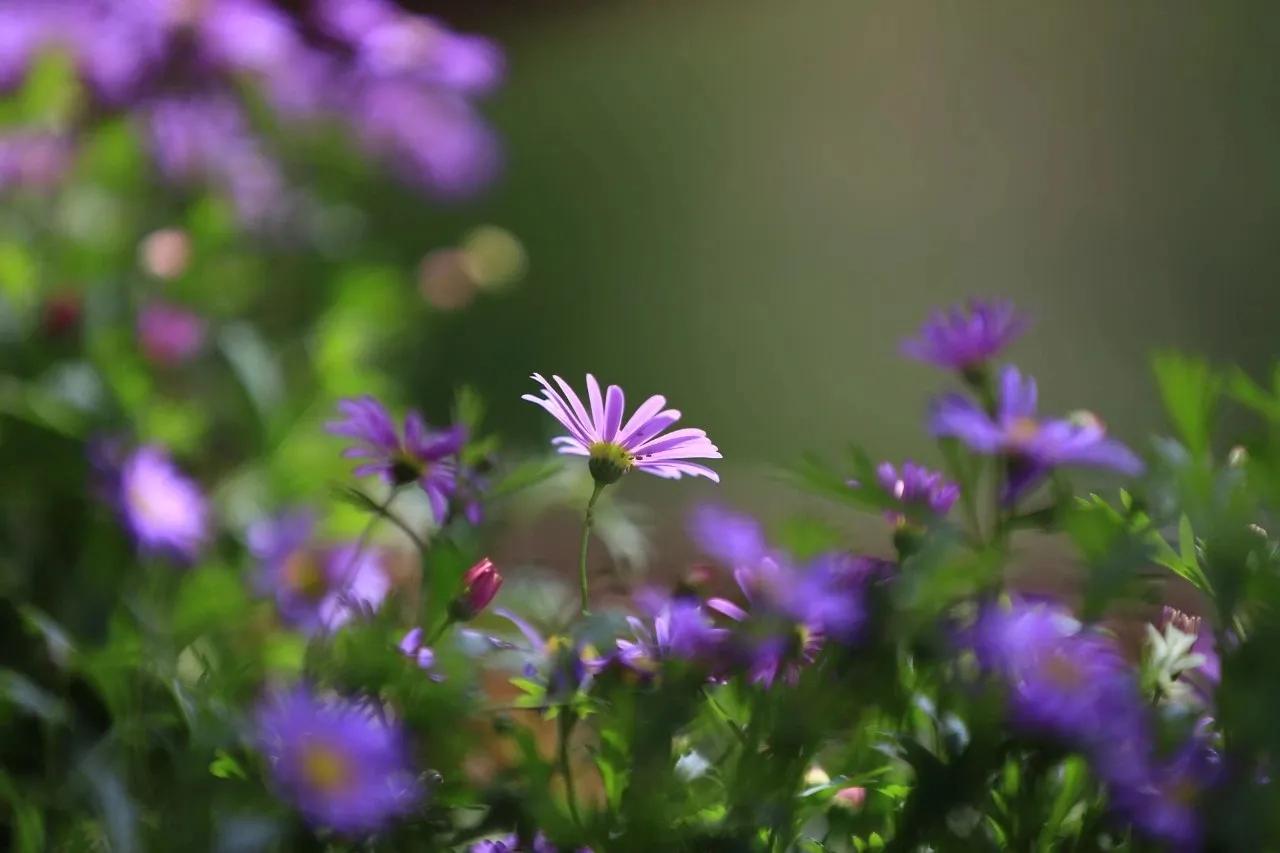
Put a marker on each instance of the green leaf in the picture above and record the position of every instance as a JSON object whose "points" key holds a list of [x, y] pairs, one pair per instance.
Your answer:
{"points": [[1190, 389], [524, 476], [224, 766], [211, 597]]}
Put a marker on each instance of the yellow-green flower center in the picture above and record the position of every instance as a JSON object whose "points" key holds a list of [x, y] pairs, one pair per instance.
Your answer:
{"points": [[325, 769], [303, 574], [406, 468], [609, 462]]}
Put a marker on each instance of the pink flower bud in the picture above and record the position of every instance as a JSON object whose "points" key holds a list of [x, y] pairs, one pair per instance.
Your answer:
{"points": [[850, 798], [479, 585]]}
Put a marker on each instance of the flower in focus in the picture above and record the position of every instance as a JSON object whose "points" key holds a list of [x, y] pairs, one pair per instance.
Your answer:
{"points": [[917, 489], [614, 448], [340, 765], [315, 588], [1034, 446], [479, 586], [422, 456], [1063, 680], [164, 510], [169, 334], [965, 337]]}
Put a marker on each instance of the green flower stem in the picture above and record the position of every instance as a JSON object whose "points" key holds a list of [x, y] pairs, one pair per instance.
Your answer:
{"points": [[439, 632], [567, 722], [587, 520]]}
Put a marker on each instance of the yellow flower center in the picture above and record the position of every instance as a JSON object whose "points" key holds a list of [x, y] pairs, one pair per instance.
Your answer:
{"points": [[1024, 430], [302, 574], [609, 462], [325, 769]]}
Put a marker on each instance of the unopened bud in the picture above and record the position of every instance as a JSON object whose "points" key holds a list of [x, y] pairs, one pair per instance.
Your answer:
{"points": [[479, 585], [850, 798]]}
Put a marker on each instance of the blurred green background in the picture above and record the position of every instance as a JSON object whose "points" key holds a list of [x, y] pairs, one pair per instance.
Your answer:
{"points": [[745, 205]]}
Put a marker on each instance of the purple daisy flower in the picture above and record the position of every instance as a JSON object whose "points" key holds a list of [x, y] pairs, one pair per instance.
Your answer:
{"points": [[1034, 446], [1161, 797], [341, 766], [1063, 680], [917, 489], [511, 844], [163, 508], [732, 538], [422, 456], [614, 448], [964, 337], [679, 628], [316, 588]]}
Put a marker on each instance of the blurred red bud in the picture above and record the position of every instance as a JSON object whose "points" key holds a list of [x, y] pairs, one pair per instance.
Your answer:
{"points": [[479, 585]]}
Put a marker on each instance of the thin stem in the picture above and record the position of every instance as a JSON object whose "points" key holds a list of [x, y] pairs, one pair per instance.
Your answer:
{"points": [[587, 520], [439, 632], [567, 722]]}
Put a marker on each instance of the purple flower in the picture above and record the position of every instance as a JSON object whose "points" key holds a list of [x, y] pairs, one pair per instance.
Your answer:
{"points": [[316, 588], [341, 766], [966, 336], [917, 489], [1160, 798], [412, 647], [732, 538], [511, 844], [1033, 446], [679, 628], [33, 160], [614, 448], [422, 456], [1063, 680], [163, 508], [169, 334]]}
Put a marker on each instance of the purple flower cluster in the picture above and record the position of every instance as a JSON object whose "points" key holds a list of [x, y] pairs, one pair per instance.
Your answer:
{"points": [[965, 337], [1032, 446], [340, 764], [1072, 684], [404, 83], [917, 489], [420, 455], [316, 588]]}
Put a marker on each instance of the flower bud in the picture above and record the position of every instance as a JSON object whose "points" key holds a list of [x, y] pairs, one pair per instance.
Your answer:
{"points": [[850, 798], [479, 585]]}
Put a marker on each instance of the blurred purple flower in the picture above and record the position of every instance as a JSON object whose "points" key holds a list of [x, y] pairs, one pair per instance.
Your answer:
{"points": [[412, 647], [341, 766], [732, 538], [163, 509], [315, 588], [1161, 798], [33, 159], [614, 448], [678, 628], [1034, 446], [964, 337], [422, 456], [511, 844], [1063, 680], [917, 489], [169, 334]]}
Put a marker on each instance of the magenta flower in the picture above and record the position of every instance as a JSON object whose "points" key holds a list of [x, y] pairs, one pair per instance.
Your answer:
{"points": [[422, 456], [1034, 446], [479, 586], [338, 763], [169, 334], [917, 489], [163, 508], [965, 337], [316, 587], [614, 448]]}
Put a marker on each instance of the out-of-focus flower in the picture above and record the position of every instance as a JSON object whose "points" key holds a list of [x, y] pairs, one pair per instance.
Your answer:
{"points": [[402, 83], [165, 253], [1034, 446], [733, 538], [316, 588], [61, 313], [681, 630], [34, 160], [917, 489], [614, 448], [850, 798], [966, 336], [341, 766], [422, 456], [511, 844], [169, 334], [479, 586], [412, 647], [1063, 680], [1183, 657], [163, 509]]}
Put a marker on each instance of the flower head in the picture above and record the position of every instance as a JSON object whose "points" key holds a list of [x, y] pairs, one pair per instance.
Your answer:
{"points": [[316, 588], [1063, 680], [163, 509], [479, 586], [169, 334], [612, 447], [678, 628], [964, 337], [340, 765], [422, 456], [412, 647], [917, 489], [1161, 797], [1034, 446]]}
